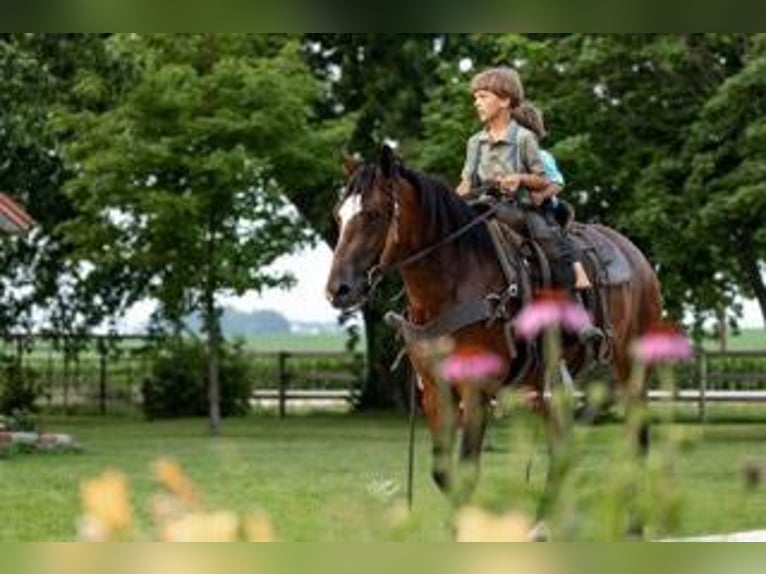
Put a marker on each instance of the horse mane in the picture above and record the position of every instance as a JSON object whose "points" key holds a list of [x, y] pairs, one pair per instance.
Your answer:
{"points": [[444, 212]]}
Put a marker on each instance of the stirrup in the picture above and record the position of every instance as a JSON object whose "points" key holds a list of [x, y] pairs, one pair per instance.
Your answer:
{"points": [[590, 334]]}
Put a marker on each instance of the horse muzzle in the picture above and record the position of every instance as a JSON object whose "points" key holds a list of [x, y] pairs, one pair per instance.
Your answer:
{"points": [[344, 295]]}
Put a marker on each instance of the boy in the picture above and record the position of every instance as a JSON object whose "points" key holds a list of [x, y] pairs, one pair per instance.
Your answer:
{"points": [[506, 155]]}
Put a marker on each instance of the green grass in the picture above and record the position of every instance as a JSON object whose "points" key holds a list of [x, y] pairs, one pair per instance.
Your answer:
{"points": [[326, 477], [746, 340], [300, 342]]}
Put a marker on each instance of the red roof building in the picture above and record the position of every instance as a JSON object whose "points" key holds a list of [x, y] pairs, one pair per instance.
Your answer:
{"points": [[13, 218]]}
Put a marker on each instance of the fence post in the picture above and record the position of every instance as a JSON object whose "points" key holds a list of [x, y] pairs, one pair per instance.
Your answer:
{"points": [[703, 385], [282, 365]]}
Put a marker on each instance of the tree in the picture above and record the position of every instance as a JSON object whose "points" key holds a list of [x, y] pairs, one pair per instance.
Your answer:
{"points": [[727, 177], [39, 71], [178, 185], [621, 110], [379, 83]]}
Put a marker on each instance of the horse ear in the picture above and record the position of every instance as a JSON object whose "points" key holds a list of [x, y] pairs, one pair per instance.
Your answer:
{"points": [[350, 164], [387, 160]]}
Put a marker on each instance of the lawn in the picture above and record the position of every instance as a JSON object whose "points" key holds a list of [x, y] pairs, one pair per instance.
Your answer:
{"points": [[746, 339], [332, 478]]}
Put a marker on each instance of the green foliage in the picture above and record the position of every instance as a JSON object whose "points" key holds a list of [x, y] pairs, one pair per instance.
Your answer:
{"points": [[180, 185], [19, 388], [18, 420], [178, 383], [39, 71]]}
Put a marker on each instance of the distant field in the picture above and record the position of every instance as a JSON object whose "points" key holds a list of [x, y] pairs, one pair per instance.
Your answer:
{"points": [[748, 339], [299, 342]]}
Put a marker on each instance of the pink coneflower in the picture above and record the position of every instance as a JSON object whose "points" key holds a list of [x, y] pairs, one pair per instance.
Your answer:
{"points": [[550, 309], [470, 365], [662, 344]]}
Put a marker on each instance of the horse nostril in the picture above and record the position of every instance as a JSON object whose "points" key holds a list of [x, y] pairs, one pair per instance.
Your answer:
{"points": [[342, 291]]}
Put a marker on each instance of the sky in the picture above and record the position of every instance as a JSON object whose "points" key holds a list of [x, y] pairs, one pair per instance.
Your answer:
{"points": [[306, 302]]}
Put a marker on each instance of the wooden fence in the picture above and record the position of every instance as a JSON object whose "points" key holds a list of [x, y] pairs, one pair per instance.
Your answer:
{"points": [[107, 371], [708, 377], [336, 377]]}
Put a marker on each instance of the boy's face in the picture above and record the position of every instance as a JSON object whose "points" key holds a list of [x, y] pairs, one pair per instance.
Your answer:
{"points": [[489, 105]]}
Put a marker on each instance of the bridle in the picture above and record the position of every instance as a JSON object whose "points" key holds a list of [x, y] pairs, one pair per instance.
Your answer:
{"points": [[380, 270]]}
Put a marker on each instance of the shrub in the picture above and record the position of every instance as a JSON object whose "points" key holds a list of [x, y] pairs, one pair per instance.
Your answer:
{"points": [[177, 385], [19, 387]]}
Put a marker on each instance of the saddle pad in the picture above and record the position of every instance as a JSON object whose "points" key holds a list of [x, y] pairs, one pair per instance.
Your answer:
{"points": [[614, 268]]}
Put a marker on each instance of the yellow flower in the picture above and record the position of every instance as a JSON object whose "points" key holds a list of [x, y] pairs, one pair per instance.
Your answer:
{"points": [[170, 475], [202, 527], [476, 525], [107, 506], [258, 528]]}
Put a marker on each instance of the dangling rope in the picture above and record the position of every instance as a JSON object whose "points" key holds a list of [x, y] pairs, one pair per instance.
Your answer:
{"points": [[411, 455]]}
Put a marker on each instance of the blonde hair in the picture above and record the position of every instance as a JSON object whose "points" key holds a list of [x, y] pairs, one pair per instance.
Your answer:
{"points": [[502, 81]]}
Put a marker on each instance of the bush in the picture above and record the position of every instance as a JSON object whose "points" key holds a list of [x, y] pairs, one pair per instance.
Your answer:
{"points": [[177, 385], [18, 387]]}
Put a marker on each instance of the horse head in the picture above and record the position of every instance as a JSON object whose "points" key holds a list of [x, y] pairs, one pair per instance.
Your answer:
{"points": [[365, 215]]}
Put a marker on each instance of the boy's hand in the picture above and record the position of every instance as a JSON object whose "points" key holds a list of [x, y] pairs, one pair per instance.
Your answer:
{"points": [[510, 183], [537, 197]]}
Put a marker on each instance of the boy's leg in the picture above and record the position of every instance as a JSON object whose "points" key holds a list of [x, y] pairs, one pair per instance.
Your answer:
{"points": [[561, 253], [582, 281], [556, 247]]}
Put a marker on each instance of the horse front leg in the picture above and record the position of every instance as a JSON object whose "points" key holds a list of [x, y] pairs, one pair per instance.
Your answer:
{"points": [[476, 411], [441, 411]]}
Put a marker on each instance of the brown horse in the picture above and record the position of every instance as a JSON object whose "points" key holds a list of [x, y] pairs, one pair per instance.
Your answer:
{"points": [[394, 218]]}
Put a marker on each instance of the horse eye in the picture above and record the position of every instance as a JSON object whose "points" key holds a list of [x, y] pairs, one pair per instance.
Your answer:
{"points": [[373, 217]]}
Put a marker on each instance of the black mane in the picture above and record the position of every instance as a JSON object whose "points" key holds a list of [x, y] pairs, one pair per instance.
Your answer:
{"points": [[444, 211]]}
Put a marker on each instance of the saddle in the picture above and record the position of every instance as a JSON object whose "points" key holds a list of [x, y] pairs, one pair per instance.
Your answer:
{"points": [[606, 265]]}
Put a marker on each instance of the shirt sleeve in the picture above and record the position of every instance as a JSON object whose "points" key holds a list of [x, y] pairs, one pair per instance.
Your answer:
{"points": [[530, 154], [471, 150], [551, 168]]}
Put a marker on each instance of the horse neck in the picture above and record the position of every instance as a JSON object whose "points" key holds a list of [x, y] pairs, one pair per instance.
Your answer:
{"points": [[431, 283]]}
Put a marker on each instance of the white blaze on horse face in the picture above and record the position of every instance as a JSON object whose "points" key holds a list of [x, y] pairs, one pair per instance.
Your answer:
{"points": [[350, 208]]}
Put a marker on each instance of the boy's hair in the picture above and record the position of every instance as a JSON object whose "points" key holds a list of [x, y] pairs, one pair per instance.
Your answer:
{"points": [[528, 115], [502, 81]]}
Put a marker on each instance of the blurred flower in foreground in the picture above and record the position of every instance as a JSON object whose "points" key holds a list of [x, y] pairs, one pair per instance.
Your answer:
{"points": [[475, 525], [470, 364], [170, 475], [108, 512], [202, 527], [258, 528], [551, 309], [662, 344], [176, 512]]}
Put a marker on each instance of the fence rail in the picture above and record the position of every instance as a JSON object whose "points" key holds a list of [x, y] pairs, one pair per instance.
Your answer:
{"points": [[345, 378]]}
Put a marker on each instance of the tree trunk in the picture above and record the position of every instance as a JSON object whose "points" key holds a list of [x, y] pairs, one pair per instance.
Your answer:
{"points": [[752, 269], [723, 330], [212, 322]]}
